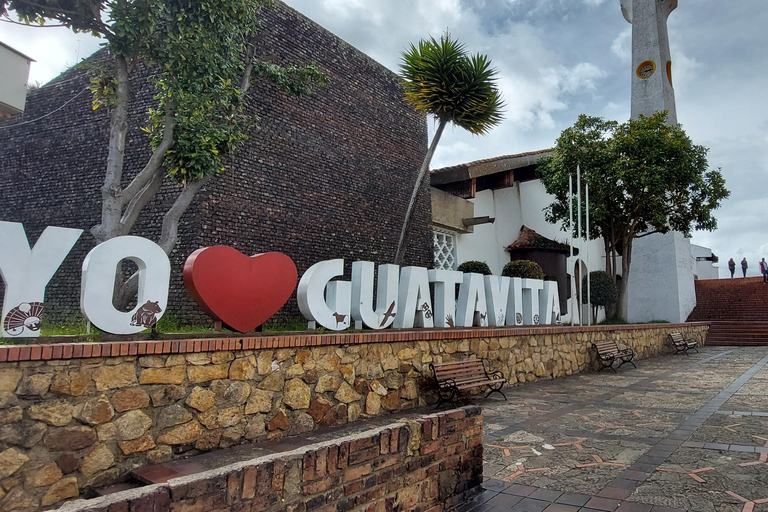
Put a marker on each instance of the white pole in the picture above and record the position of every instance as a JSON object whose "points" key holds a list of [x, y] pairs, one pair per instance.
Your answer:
{"points": [[578, 237], [574, 305], [589, 297]]}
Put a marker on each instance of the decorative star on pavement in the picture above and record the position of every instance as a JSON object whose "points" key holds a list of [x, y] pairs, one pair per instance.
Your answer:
{"points": [[601, 462], [692, 474], [576, 444], [520, 470], [749, 505]]}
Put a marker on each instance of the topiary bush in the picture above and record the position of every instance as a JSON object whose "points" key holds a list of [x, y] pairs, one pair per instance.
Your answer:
{"points": [[526, 269], [550, 277], [602, 291], [475, 267]]}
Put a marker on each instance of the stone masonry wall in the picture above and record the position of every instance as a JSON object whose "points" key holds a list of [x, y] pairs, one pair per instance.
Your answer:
{"points": [[430, 464], [327, 175], [81, 416]]}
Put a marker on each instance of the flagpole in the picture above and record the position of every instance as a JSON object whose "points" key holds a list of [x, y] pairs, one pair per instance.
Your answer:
{"points": [[578, 237], [589, 297], [570, 235]]}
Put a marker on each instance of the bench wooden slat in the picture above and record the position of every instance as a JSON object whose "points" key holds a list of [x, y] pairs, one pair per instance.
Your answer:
{"points": [[460, 375], [682, 344]]}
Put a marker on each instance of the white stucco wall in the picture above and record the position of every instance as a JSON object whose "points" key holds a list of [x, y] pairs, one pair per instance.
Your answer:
{"points": [[661, 279], [704, 269], [514, 207]]}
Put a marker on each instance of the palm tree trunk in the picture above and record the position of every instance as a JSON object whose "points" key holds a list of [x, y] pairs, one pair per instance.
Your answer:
{"points": [[419, 180]]}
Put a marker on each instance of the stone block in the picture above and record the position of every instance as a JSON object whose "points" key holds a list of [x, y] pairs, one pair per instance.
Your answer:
{"points": [[11, 461], [129, 399], [172, 375], [201, 399], [61, 490], [69, 438], [132, 424], [198, 374], [114, 377], [98, 459], [95, 411], [183, 434], [34, 385], [56, 412]]}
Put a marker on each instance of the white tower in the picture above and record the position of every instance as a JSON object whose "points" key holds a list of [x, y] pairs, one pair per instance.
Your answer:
{"points": [[661, 282], [651, 63]]}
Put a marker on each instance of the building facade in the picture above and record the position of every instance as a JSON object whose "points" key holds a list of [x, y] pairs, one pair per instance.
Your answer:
{"points": [[326, 176]]}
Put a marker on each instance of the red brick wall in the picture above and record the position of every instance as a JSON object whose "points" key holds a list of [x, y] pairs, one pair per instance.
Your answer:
{"points": [[430, 464]]}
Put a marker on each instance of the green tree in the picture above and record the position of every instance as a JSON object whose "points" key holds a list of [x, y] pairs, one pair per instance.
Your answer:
{"points": [[204, 60], [644, 177], [602, 291], [442, 80]]}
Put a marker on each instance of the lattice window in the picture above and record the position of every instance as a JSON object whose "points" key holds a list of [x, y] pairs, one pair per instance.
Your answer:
{"points": [[444, 243]]}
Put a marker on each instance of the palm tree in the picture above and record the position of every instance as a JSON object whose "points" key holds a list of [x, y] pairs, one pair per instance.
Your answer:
{"points": [[440, 79]]}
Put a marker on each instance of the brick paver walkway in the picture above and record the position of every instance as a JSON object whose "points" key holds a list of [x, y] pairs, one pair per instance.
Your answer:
{"points": [[678, 433]]}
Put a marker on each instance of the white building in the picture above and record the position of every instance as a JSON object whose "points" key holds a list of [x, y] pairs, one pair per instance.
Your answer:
{"points": [[13, 80], [704, 262], [479, 209]]}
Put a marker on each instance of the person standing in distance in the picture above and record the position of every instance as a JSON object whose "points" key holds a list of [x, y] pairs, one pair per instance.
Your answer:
{"points": [[764, 270], [744, 266], [732, 266]]}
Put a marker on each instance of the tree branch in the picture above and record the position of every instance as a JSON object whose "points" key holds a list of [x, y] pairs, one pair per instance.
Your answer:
{"points": [[648, 233], [111, 202], [138, 202], [169, 233], [155, 161], [245, 83]]}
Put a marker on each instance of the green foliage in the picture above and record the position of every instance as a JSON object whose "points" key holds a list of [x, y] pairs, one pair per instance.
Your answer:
{"points": [[199, 51], [644, 176], [475, 267], [526, 269], [602, 290], [550, 277], [441, 79]]}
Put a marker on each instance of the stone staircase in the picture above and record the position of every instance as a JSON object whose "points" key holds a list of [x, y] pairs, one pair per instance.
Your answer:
{"points": [[737, 308]]}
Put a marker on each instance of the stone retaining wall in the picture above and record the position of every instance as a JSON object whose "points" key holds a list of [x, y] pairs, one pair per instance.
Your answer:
{"points": [[79, 416], [430, 464]]}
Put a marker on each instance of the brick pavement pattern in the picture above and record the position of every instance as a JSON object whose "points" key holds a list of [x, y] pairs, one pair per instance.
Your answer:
{"points": [[678, 433]]}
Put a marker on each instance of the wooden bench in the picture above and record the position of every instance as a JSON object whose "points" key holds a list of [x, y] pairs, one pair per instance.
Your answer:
{"points": [[608, 352], [457, 376], [682, 344]]}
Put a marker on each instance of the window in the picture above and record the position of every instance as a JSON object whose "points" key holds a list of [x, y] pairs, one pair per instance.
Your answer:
{"points": [[444, 245]]}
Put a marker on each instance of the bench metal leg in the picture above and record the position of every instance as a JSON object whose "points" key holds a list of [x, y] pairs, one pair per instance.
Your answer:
{"points": [[607, 363], [495, 389], [450, 397], [627, 359]]}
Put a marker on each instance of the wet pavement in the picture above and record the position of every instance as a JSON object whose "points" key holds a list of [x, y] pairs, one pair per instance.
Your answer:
{"points": [[677, 433]]}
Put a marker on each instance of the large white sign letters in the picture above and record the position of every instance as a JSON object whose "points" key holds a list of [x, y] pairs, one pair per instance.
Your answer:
{"points": [[403, 297], [482, 300], [99, 270], [26, 272]]}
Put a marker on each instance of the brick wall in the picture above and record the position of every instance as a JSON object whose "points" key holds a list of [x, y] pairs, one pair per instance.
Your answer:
{"points": [[327, 176], [430, 464]]}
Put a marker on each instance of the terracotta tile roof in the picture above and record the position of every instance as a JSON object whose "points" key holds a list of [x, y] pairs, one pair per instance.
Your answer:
{"points": [[489, 160], [529, 239]]}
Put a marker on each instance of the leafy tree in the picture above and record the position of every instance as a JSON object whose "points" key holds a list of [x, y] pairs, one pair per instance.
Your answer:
{"points": [[644, 177], [203, 56], [602, 291], [476, 267], [526, 269], [441, 80]]}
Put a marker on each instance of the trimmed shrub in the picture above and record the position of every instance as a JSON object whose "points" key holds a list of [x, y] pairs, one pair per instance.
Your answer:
{"points": [[602, 289], [475, 267], [550, 277], [526, 269]]}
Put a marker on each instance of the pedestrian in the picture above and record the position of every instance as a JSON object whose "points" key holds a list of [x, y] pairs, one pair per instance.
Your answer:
{"points": [[732, 266], [764, 270], [744, 266]]}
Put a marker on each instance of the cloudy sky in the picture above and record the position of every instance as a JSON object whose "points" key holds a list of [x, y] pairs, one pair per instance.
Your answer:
{"points": [[558, 59]]}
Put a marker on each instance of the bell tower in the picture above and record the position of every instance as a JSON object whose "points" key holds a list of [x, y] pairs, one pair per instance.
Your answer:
{"points": [[652, 88]]}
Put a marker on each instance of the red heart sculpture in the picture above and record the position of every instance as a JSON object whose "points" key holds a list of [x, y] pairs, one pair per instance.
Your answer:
{"points": [[241, 291]]}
